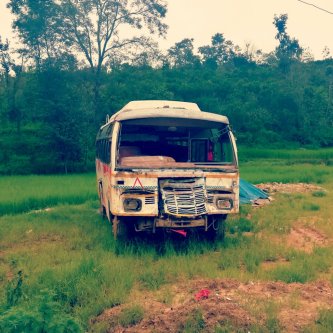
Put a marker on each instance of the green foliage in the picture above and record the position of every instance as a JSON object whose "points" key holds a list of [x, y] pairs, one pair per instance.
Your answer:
{"points": [[131, 316], [288, 48], [41, 315], [242, 225], [57, 126], [50, 112], [14, 290]]}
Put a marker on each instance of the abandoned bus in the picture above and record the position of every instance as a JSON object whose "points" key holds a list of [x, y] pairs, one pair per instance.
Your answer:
{"points": [[166, 165]]}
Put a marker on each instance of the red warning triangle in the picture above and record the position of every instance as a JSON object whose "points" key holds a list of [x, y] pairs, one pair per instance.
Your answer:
{"points": [[137, 180]]}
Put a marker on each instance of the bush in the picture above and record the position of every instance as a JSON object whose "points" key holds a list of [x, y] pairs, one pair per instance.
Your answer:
{"points": [[40, 315]]}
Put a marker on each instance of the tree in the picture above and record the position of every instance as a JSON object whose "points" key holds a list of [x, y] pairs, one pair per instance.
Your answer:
{"points": [[5, 66], [219, 52], [288, 48], [34, 23], [90, 30], [5, 60], [11, 83], [326, 53], [181, 54]]}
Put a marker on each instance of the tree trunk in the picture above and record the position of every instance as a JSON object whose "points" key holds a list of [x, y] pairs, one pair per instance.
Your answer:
{"points": [[97, 95]]}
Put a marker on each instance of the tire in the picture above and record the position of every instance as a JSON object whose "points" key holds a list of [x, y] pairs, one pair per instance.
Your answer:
{"points": [[121, 227]]}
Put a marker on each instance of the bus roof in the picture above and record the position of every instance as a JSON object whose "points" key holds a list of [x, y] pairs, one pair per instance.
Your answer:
{"points": [[158, 104], [166, 109]]}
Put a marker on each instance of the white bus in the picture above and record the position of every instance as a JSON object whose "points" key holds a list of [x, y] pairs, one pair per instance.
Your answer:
{"points": [[166, 165]]}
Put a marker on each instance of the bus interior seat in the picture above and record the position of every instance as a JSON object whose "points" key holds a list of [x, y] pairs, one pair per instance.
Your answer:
{"points": [[147, 161]]}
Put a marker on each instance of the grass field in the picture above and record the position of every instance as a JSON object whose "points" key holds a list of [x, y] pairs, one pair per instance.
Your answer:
{"points": [[62, 271]]}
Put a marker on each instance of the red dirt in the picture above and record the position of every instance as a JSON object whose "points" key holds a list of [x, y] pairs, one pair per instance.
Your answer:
{"points": [[229, 301], [306, 238]]}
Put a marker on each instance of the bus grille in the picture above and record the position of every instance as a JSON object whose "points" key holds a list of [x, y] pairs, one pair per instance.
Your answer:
{"points": [[149, 200], [184, 197]]}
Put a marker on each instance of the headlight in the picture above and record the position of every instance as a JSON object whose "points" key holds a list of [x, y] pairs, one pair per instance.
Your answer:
{"points": [[223, 203], [132, 205]]}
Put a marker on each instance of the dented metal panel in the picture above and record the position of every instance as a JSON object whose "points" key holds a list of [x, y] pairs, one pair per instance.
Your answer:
{"points": [[184, 197]]}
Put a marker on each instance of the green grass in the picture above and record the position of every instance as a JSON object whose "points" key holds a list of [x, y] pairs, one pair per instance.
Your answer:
{"points": [[24, 193], [277, 171], [301, 155], [65, 263], [194, 323], [131, 316], [324, 324], [319, 194]]}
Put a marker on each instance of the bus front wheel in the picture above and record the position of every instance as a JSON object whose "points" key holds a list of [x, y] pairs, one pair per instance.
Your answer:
{"points": [[120, 228]]}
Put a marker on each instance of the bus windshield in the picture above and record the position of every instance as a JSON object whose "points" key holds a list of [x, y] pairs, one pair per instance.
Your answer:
{"points": [[171, 145]]}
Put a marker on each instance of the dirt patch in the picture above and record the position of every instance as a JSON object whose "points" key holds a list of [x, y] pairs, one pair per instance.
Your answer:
{"points": [[37, 211], [271, 264], [229, 301], [306, 238], [31, 243], [289, 188]]}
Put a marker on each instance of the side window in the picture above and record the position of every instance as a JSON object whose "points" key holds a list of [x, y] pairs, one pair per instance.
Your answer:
{"points": [[98, 149], [103, 146], [104, 151], [226, 149], [107, 152], [109, 144]]}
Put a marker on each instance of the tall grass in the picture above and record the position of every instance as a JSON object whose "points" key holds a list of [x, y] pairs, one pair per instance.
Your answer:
{"points": [[68, 262], [70, 254]]}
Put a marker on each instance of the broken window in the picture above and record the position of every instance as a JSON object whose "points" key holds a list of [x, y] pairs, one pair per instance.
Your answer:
{"points": [[173, 143]]}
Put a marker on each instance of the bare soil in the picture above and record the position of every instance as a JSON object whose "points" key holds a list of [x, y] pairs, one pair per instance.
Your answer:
{"points": [[289, 188], [229, 301], [306, 238]]}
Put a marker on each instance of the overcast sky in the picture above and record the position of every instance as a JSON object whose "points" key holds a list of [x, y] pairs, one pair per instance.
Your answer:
{"points": [[242, 21]]}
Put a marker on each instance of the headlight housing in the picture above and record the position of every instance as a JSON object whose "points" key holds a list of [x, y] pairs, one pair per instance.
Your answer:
{"points": [[132, 205], [223, 203]]}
